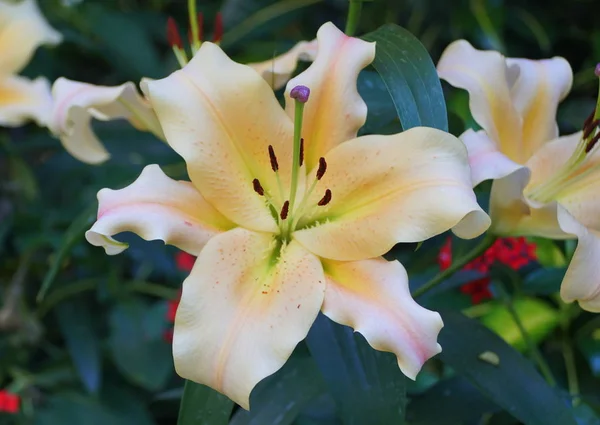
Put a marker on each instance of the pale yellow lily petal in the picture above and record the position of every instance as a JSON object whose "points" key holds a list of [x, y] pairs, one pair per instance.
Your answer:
{"points": [[221, 117], [335, 111], [549, 159], [277, 71], [513, 215], [76, 103], [485, 159], [540, 86], [22, 99], [485, 76], [22, 29], [373, 298], [243, 309], [156, 207], [582, 280], [388, 189]]}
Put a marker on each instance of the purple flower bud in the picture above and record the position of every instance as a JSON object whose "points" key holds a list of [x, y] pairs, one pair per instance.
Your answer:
{"points": [[597, 71], [300, 93]]}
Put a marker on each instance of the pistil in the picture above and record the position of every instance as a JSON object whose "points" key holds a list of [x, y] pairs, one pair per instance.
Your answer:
{"points": [[300, 94]]}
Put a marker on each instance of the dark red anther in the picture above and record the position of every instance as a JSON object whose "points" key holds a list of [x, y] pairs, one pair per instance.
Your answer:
{"points": [[588, 120], [592, 143], [258, 187], [322, 168], [326, 199], [301, 151], [285, 210], [273, 158], [173, 36], [218, 34], [590, 128]]}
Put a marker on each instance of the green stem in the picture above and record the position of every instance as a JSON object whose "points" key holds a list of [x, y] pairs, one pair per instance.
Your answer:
{"points": [[531, 347], [569, 356], [299, 114], [353, 17], [195, 42], [485, 243]]}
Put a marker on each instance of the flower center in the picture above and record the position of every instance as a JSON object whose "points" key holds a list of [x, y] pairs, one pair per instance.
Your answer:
{"points": [[288, 214], [577, 168]]}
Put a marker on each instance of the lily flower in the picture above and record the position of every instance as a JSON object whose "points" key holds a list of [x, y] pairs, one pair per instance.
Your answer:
{"points": [[22, 30], [544, 185], [76, 103], [289, 213]]}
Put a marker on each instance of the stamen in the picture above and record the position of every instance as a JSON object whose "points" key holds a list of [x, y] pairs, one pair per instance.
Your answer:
{"points": [[590, 129], [218, 33], [589, 120], [592, 143], [258, 187], [285, 210], [300, 93], [322, 168], [173, 36], [273, 158], [326, 199], [301, 151], [174, 40]]}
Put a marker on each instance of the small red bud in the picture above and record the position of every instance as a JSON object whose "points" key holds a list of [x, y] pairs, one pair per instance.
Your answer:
{"points": [[218, 34], [173, 36]]}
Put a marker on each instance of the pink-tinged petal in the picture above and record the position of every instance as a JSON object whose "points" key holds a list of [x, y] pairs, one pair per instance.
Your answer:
{"points": [[245, 306], [485, 159], [373, 298], [335, 111], [221, 117], [156, 207], [22, 99], [22, 29], [582, 280], [75, 104], [485, 76], [540, 86], [277, 71], [388, 189], [513, 215]]}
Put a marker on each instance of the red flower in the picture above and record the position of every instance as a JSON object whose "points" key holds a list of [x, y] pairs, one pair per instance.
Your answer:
{"points": [[512, 252], [9, 402], [184, 261]]}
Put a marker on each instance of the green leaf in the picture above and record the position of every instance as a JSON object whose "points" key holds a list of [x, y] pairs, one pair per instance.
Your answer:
{"points": [[75, 322], [126, 44], [456, 401], [537, 316], [366, 384], [588, 342], [202, 405], [410, 77], [279, 399], [72, 235], [544, 281], [136, 343], [513, 383], [260, 18]]}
